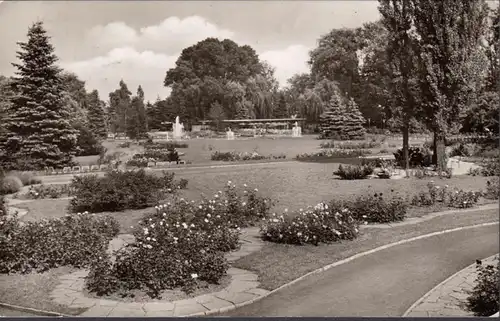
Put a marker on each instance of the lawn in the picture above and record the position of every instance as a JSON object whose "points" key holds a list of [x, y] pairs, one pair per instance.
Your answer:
{"points": [[200, 149], [293, 185]]}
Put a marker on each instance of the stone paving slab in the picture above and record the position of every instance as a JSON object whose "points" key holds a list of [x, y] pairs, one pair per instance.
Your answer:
{"points": [[448, 298], [243, 287]]}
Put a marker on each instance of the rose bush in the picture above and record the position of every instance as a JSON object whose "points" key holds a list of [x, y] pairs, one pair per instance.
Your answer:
{"points": [[180, 244], [319, 224], [445, 195]]}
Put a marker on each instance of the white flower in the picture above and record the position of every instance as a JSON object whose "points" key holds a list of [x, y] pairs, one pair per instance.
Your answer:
{"points": [[184, 225], [244, 185], [148, 238], [286, 210], [244, 203], [200, 207], [194, 275], [206, 221], [299, 234], [256, 190], [208, 215]]}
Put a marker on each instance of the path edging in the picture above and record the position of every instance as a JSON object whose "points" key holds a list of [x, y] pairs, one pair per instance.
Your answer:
{"points": [[426, 295], [341, 262], [32, 310]]}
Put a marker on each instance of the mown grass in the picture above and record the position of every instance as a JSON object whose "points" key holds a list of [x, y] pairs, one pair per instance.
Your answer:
{"points": [[273, 263]]}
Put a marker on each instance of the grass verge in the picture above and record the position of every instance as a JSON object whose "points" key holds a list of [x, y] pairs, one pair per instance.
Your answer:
{"points": [[273, 262]]}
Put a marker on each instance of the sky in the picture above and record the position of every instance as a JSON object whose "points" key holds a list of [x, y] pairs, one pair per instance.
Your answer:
{"points": [[138, 41]]}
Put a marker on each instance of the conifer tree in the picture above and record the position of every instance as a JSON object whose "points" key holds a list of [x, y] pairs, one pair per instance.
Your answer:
{"points": [[282, 109], [342, 121], [38, 133], [96, 116]]}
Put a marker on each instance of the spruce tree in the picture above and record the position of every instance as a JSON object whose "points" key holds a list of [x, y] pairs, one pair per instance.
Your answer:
{"points": [[341, 120], [119, 105], [282, 109], [38, 131], [96, 116]]}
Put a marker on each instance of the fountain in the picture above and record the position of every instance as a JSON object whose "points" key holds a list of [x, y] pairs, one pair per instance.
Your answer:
{"points": [[230, 134], [177, 129], [296, 130]]}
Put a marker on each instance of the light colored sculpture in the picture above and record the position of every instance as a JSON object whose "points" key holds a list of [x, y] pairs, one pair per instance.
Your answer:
{"points": [[230, 134]]}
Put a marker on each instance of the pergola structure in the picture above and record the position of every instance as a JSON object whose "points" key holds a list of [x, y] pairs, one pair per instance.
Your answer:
{"points": [[278, 123]]}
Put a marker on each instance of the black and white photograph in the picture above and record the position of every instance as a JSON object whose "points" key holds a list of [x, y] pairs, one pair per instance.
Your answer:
{"points": [[249, 158]]}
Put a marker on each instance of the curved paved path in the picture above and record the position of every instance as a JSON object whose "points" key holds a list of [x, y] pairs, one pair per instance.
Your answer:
{"points": [[385, 283]]}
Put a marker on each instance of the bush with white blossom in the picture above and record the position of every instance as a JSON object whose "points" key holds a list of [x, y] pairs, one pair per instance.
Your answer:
{"points": [[319, 224], [180, 244]]}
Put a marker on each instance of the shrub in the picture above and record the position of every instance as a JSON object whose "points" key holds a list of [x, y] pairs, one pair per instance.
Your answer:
{"points": [[378, 162], [321, 224], [27, 178], [124, 145], [117, 191], [417, 157], [3, 207], [462, 150], [48, 191], [484, 299], [353, 172], [183, 183], [374, 208], [10, 185], [491, 167], [493, 189], [73, 240]]}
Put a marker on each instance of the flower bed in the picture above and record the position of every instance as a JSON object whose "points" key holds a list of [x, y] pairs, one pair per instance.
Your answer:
{"points": [[332, 154], [450, 197], [74, 240], [321, 224], [179, 245], [165, 145], [118, 191], [241, 156], [350, 145], [48, 191]]}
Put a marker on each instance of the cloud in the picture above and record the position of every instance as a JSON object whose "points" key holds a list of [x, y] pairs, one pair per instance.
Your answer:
{"points": [[144, 68], [169, 36], [142, 57], [288, 61]]}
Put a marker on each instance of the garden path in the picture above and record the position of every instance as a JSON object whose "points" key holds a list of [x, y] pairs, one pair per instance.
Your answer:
{"points": [[385, 283], [243, 287]]}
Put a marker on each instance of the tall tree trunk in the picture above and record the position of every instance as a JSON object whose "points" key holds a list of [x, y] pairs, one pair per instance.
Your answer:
{"points": [[440, 151], [434, 149], [406, 144]]}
